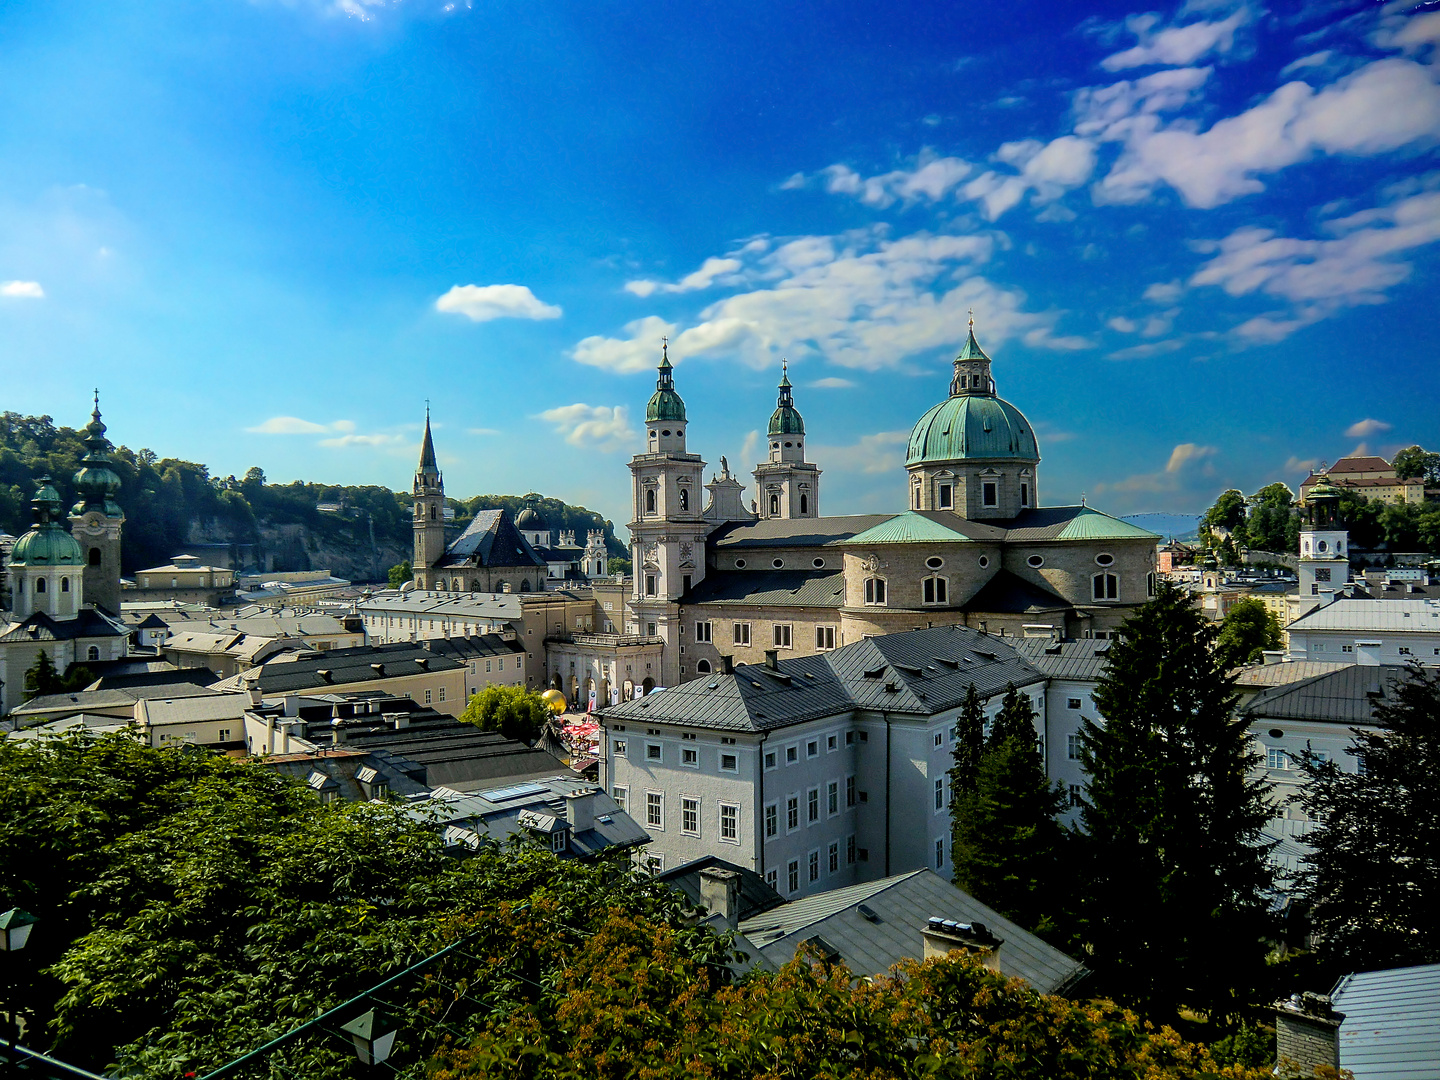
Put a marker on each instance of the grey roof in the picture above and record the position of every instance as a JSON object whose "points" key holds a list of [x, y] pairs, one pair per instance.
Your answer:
{"points": [[343, 768], [350, 666], [1082, 660], [79, 701], [1345, 696], [920, 672], [772, 588], [793, 532], [491, 539], [1008, 594], [756, 897], [264, 623], [477, 646], [1259, 676], [434, 604], [901, 905], [1392, 1023], [89, 623], [495, 813], [1360, 616]]}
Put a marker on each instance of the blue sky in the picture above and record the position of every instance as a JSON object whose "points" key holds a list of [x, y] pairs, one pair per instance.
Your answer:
{"points": [[1200, 241]]}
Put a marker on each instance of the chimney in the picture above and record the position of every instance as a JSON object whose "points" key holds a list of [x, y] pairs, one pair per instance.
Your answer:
{"points": [[720, 893], [256, 697], [580, 810], [772, 659], [727, 665], [292, 705], [1307, 1035], [944, 936]]}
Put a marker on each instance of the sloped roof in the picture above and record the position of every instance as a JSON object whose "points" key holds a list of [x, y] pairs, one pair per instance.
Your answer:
{"points": [[1083, 659], [1392, 1023], [1345, 696], [477, 646], [1357, 464], [773, 588], [911, 528], [1259, 676], [755, 896], [1008, 594], [491, 539], [348, 666], [1362, 616], [89, 623], [1072, 523], [900, 907], [793, 532]]}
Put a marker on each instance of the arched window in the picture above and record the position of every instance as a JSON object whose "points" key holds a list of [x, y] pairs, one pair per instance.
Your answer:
{"points": [[95, 556], [64, 584], [934, 590], [1150, 584], [774, 504], [702, 667], [433, 512], [650, 500], [874, 590], [40, 584], [1105, 587], [804, 503], [684, 499], [94, 653], [525, 584]]}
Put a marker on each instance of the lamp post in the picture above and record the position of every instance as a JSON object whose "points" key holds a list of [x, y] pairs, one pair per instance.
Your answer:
{"points": [[374, 1036], [15, 927]]}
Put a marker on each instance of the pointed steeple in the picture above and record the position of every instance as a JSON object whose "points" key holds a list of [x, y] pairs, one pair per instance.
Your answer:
{"points": [[665, 403], [427, 448], [96, 481]]}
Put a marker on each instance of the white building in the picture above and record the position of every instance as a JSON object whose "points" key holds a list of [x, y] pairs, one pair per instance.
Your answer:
{"points": [[1369, 632]]}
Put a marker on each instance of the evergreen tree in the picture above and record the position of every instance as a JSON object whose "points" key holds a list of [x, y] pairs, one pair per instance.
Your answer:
{"points": [[1176, 903], [1005, 840], [1373, 874], [968, 745], [41, 678]]}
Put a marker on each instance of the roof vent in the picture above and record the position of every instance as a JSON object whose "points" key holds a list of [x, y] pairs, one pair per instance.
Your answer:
{"points": [[867, 913], [892, 688], [875, 673]]}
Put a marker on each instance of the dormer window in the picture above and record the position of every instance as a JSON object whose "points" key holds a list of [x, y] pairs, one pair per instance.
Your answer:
{"points": [[559, 840]]}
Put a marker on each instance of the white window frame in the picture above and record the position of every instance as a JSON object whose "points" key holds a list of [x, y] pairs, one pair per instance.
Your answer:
{"points": [[824, 638], [689, 807], [875, 592], [621, 794], [792, 875], [792, 813], [1104, 587], [617, 747], [655, 808], [741, 634], [850, 797], [945, 496], [771, 817], [939, 794], [770, 760], [812, 749], [812, 867], [935, 590], [1073, 746], [732, 811], [783, 635], [772, 878], [990, 493], [655, 752], [734, 766], [689, 757], [832, 798], [812, 806], [703, 630]]}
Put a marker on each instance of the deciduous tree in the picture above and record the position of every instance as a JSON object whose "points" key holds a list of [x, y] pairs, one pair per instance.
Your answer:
{"points": [[1246, 632], [513, 711]]}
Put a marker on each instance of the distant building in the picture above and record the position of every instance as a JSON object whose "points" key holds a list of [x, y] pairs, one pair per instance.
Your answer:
{"points": [[397, 670], [186, 580], [1370, 478], [1369, 632]]}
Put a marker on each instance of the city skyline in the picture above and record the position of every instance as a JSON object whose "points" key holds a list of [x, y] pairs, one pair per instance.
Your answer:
{"points": [[1199, 242]]}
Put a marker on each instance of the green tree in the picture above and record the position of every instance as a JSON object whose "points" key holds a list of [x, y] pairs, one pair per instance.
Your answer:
{"points": [[1373, 872], [1416, 461], [41, 678], [617, 565], [1246, 632], [1228, 513], [400, 573], [1176, 903], [513, 711], [1006, 841], [967, 746], [1272, 523]]}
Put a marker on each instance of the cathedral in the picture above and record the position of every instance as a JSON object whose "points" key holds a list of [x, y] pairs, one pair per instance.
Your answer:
{"points": [[65, 585], [716, 580]]}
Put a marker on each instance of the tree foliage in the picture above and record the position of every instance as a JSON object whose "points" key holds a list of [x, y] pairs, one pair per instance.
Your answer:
{"points": [[1246, 632], [1373, 872], [400, 573], [1416, 461], [513, 711], [1175, 906]]}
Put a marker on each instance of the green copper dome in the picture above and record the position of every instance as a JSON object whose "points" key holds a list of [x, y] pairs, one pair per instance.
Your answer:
{"points": [[96, 482], [786, 419], [972, 423], [47, 543], [665, 403]]}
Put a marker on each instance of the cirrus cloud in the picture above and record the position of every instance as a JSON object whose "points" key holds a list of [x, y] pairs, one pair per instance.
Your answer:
{"points": [[481, 303]]}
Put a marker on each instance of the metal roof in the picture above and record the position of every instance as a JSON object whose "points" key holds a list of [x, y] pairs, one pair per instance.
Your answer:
{"points": [[911, 528], [1072, 523], [755, 896], [491, 539], [1361, 616], [1009, 594], [344, 666], [793, 532], [1260, 676], [1392, 1023], [88, 623], [448, 604], [773, 588], [1346, 696], [1082, 660], [900, 907]]}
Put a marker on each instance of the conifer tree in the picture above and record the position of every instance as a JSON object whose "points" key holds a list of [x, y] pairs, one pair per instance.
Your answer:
{"points": [[1373, 874], [41, 678], [1006, 843], [1176, 902], [969, 744]]}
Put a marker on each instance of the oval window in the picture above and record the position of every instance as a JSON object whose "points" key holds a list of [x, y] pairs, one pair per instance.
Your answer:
{"points": [[984, 561], [934, 562], [652, 434], [1104, 559], [777, 563], [819, 563], [788, 445], [739, 564], [665, 433], [1036, 561], [1276, 733]]}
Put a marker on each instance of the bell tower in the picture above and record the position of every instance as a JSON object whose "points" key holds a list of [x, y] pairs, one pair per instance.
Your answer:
{"points": [[96, 518], [787, 486], [668, 526], [1324, 567], [429, 492]]}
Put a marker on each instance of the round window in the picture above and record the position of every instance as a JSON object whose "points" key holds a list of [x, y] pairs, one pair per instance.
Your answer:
{"points": [[739, 564], [819, 562], [1104, 559], [652, 434], [1322, 545], [774, 446], [984, 561], [1036, 561], [934, 562], [788, 445], [777, 563], [1276, 733], [665, 433]]}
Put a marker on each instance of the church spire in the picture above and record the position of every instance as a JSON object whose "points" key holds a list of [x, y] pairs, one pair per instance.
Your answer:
{"points": [[972, 368], [427, 448], [786, 419], [96, 481], [665, 403]]}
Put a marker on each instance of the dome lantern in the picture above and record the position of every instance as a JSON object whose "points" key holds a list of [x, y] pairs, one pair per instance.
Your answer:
{"points": [[665, 403], [786, 419]]}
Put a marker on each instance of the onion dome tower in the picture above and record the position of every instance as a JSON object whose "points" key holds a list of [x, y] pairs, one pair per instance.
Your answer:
{"points": [[787, 486], [96, 519], [47, 564], [974, 453], [1324, 567]]}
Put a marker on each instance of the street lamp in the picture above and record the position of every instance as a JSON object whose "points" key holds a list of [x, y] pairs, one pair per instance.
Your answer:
{"points": [[15, 927], [373, 1042]]}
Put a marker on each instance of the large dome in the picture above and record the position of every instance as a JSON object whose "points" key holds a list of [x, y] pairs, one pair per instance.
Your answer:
{"points": [[47, 543], [967, 427]]}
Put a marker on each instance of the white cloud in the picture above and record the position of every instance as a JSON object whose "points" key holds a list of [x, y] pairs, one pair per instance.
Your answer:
{"points": [[1186, 454], [1147, 350], [481, 303], [483, 431], [598, 427], [1323, 275], [625, 356], [1164, 292], [1313, 60], [289, 425], [871, 454], [1299, 465], [1175, 46], [832, 383], [1113, 112], [1047, 169], [711, 269], [1385, 105], [931, 179], [1411, 35], [1123, 325], [1363, 429], [343, 441], [29, 290]]}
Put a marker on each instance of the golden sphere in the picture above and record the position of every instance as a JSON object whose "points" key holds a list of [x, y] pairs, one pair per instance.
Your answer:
{"points": [[555, 699]]}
